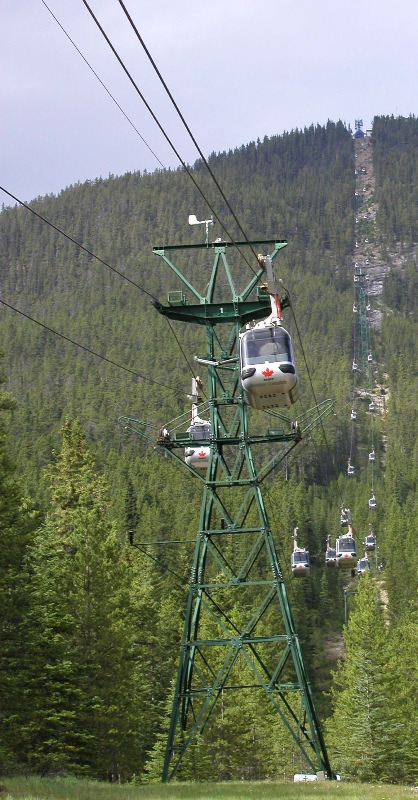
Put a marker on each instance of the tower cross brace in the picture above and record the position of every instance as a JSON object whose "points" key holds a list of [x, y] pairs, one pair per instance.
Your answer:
{"points": [[239, 633]]}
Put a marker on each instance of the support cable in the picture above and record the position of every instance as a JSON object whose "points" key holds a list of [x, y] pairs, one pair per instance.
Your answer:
{"points": [[180, 582], [207, 165], [159, 125], [354, 352], [87, 349], [74, 241], [93, 255], [104, 86], [136, 131], [308, 373], [353, 396], [354, 372], [181, 350]]}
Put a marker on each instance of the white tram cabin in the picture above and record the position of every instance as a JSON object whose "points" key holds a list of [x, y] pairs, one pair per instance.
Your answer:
{"points": [[372, 456], [268, 370], [198, 457], [363, 565], [330, 557], [372, 502], [346, 551], [301, 565], [353, 414], [350, 470], [370, 543]]}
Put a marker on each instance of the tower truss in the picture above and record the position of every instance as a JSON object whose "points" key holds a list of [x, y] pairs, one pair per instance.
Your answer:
{"points": [[238, 619], [362, 304]]}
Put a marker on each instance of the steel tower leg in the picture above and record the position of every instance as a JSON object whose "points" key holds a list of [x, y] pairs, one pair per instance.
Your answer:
{"points": [[238, 617], [235, 555]]}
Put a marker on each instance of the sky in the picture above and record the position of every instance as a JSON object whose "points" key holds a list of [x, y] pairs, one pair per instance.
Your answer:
{"points": [[238, 69]]}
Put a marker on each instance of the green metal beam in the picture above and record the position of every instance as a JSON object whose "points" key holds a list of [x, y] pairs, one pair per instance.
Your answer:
{"points": [[235, 564], [216, 312], [278, 245]]}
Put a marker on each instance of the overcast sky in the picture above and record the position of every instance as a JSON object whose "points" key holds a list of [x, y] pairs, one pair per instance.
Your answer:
{"points": [[238, 69]]}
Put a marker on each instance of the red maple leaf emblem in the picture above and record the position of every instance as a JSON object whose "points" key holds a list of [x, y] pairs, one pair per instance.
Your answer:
{"points": [[201, 455], [267, 373]]}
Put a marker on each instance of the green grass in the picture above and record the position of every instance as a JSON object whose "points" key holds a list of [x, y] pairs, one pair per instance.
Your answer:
{"points": [[73, 789]]}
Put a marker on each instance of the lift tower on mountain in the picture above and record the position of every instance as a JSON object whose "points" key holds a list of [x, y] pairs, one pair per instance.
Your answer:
{"points": [[238, 618]]}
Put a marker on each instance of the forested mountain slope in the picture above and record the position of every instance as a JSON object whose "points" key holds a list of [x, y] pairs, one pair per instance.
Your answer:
{"points": [[297, 187], [300, 186]]}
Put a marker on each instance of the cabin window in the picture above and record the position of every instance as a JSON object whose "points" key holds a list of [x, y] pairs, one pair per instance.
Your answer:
{"points": [[199, 431], [346, 546], [266, 344], [300, 558]]}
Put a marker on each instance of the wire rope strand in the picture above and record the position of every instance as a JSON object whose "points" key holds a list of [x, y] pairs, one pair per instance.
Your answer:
{"points": [[207, 165], [181, 349], [161, 128], [180, 582], [87, 349], [74, 241], [308, 374], [103, 84]]}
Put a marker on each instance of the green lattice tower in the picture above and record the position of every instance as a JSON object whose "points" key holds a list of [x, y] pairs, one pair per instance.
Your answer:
{"points": [[363, 323], [235, 564]]}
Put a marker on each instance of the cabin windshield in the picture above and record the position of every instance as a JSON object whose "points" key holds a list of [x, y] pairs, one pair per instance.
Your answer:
{"points": [[300, 558], [330, 553], [346, 545], [266, 344], [200, 431]]}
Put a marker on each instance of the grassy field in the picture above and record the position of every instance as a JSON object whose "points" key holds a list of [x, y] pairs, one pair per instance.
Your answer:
{"points": [[72, 789]]}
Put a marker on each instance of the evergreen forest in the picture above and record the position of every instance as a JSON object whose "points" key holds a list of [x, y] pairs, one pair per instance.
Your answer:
{"points": [[91, 625]]}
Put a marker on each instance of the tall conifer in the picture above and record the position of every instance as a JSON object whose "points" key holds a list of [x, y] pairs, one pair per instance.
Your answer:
{"points": [[85, 707], [17, 522], [363, 736]]}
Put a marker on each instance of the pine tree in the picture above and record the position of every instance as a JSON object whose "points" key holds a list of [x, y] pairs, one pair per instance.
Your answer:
{"points": [[83, 683], [363, 747], [402, 680], [17, 522]]}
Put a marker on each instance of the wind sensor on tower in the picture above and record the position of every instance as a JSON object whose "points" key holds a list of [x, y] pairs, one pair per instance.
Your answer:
{"points": [[239, 634]]}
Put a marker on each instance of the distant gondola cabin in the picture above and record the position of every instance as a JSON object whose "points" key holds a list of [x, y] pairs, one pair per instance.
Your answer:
{"points": [[346, 551], [370, 542], [363, 565], [300, 563], [330, 557], [198, 456]]}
